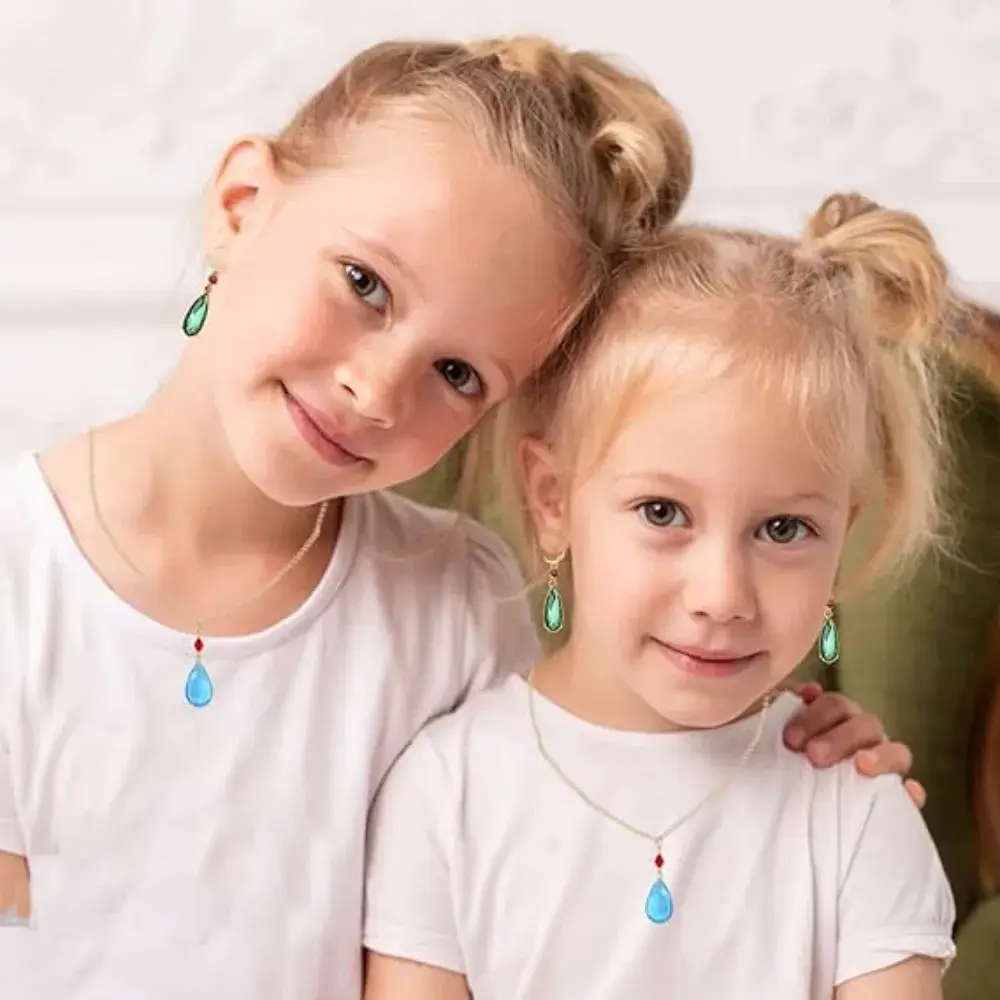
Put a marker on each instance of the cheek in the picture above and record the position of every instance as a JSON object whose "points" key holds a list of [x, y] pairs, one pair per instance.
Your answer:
{"points": [[428, 435], [277, 330], [616, 577], [795, 604]]}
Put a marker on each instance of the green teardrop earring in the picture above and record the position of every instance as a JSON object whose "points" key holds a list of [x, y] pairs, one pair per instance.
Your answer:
{"points": [[194, 318], [829, 638], [554, 610]]}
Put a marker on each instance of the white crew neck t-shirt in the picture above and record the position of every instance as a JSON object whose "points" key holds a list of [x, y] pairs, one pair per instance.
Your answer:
{"points": [[218, 853], [790, 882]]}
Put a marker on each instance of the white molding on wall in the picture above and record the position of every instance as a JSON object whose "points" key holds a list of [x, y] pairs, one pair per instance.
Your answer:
{"points": [[128, 266]]}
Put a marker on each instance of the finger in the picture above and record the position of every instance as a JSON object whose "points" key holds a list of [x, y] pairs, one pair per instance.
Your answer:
{"points": [[917, 792], [825, 713], [886, 758], [843, 741], [808, 691]]}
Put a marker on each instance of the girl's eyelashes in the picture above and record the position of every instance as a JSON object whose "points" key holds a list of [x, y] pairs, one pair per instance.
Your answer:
{"points": [[367, 286], [373, 291], [462, 377], [661, 513], [785, 530]]}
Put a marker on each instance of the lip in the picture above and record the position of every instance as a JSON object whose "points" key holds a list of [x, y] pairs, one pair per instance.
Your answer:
{"points": [[704, 662], [321, 433]]}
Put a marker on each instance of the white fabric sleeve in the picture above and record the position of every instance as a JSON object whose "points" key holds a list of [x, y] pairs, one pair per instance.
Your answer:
{"points": [[501, 637], [11, 839], [895, 901], [409, 909]]}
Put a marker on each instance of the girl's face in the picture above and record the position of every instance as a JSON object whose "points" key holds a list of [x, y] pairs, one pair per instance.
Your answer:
{"points": [[705, 550], [366, 316]]}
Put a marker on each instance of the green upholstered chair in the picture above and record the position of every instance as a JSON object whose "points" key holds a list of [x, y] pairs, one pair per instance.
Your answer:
{"points": [[920, 652]]}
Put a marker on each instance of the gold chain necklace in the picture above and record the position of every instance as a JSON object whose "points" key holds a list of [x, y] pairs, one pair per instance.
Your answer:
{"points": [[198, 688], [659, 900]]}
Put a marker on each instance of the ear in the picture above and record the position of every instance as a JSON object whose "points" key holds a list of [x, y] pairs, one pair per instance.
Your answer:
{"points": [[545, 495], [241, 193], [852, 515]]}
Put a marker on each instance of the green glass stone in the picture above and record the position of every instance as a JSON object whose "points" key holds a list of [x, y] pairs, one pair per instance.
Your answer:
{"points": [[194, 318], [553, 614], [829, 642]]}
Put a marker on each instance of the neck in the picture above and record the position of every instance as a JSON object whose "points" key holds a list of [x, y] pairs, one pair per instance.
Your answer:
{"points": [[168, 471]]}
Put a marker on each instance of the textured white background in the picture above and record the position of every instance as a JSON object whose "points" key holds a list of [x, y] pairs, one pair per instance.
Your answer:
{"points": [[113, 113]]}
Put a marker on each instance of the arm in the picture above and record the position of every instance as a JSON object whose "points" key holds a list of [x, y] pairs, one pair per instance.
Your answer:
{"points": [[14, 880], [895, 910], [14, 886], [394, 978], [410, 936], [914, 979]]}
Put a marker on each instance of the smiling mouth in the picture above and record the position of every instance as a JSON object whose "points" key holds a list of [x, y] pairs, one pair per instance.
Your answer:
{"points": [[706, 663], [330, 447]]}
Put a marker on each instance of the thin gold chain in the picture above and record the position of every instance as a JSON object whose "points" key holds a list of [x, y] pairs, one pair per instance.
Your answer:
{"points": [[656, 838], [256, 595]]}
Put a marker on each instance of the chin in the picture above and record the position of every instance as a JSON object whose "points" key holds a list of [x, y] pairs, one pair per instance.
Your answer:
{"points": [[703, 707], [279, 473]]}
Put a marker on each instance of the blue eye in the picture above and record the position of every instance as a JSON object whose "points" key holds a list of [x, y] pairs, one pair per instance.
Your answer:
{"points": [[462, 377], [785, 530], [368, 286], [663, 514]]}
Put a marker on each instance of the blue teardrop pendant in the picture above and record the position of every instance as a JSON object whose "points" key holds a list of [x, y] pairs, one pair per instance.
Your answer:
{"points": [[198, 688], [659, 902]]}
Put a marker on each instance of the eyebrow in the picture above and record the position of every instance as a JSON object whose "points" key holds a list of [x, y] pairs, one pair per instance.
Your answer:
{"points": [[674, 483]]}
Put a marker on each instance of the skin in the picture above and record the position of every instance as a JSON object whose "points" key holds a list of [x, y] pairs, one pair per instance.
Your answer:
{"points": [[401, 294], [711, 529]]}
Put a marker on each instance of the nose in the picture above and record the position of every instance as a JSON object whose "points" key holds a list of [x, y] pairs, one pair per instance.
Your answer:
{"points": [[719, 582], [378, 384]]}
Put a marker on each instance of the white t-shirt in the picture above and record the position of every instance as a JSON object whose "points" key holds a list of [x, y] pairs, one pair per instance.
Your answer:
{"points": [[793, 881], [218, 853]]}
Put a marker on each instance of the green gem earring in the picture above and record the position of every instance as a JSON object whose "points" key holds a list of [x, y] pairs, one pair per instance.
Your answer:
{"points": [[194, 318], [554, 610], [829, 638]]}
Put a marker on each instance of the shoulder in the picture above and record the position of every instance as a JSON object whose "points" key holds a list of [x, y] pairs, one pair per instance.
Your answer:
{"points": [[436, 540], [485, 720], [457, 569], [481, 730], [24, 503]]}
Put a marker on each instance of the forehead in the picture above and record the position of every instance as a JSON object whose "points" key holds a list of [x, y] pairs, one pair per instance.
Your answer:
{"points": [[729, 434], [475, 234]]}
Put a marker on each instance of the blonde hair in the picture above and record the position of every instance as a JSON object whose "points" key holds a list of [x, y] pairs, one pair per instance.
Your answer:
{"points": [[840, 322], [608, 154]]}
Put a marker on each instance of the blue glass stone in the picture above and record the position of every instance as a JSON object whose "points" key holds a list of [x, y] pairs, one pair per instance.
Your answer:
{"points": [[198, 690], [659, 902]]}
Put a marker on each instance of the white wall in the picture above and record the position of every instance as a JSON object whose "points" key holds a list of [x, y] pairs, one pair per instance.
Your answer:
{"points": [[112, 114]]}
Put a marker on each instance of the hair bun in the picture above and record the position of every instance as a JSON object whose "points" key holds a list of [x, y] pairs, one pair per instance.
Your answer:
{"points": [[639, 143], [836, 210], [892, 260]]}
